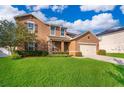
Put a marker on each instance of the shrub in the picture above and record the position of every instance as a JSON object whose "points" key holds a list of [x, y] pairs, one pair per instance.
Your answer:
{"points": [[101, 52], [15, 56], [59, 54], [79, 54], [32, 53], [44, 53]]}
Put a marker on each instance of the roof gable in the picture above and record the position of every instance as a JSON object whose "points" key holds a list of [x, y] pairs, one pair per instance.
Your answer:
{"points": [[83, 34], [29, 15], [32, 14]]}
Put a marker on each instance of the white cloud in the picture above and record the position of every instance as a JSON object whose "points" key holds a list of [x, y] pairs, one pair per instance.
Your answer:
{"points": [[40, 15], [37, 7], [57, 22], [58, 8], [98, 22], [97, 8], [54, 8], [52, 18], [8, 12], [29, 7], [122, 9]]}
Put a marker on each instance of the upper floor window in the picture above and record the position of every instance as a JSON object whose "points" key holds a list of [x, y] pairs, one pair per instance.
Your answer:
{"points": [[53, 29], [31, 26], [62, 31]]}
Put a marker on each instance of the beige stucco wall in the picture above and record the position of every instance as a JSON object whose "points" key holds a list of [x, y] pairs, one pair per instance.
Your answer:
{"points": [[113, 43]]}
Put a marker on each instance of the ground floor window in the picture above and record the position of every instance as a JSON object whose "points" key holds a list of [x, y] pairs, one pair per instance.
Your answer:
{"points": [[31, 45]]}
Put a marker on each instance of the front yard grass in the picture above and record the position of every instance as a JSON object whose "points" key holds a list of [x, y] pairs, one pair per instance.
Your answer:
{"points": [[119, 55], [59, 71]]}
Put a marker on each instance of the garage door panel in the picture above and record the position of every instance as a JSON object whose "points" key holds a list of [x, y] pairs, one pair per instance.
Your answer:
{"points": [[88, 49]]}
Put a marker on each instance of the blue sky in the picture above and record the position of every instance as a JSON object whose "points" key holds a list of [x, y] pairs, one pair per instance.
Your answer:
{"points": [[76, 18]]}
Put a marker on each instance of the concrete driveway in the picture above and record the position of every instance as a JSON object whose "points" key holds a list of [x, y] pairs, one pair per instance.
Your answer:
{"points": [[114, 60]]}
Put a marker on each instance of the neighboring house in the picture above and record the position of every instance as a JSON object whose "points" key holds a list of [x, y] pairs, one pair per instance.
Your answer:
{"points": [[112, 40], [55, 38], [4, 52]]}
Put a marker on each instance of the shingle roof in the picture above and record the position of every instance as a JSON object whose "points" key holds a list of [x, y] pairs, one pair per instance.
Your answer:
{"points": [[22, 15], [55, 38], [110, 31], [83, 34], [72, 35], [38, 19]]}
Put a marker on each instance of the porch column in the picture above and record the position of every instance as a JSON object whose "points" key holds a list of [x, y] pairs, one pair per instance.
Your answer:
{"points": [[50, 46], [62, 46]]}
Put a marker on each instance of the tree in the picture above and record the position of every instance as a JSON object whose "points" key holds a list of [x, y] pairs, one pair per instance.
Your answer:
{"points": [[13, 35]]}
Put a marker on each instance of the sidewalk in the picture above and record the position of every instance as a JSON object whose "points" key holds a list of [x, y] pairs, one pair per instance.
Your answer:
{"points": [[114, 60]]}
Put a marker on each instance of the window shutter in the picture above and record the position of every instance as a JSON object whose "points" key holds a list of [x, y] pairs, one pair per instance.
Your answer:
{"points": [[36, 46], [36, 28]]}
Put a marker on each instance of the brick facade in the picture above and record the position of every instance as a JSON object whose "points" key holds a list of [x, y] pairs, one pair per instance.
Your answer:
{"points": [[41, 33], [46, 42], [88, 38]]}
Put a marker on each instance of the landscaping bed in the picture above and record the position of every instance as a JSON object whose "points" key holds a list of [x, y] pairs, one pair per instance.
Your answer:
{"points": [[59, 54]]}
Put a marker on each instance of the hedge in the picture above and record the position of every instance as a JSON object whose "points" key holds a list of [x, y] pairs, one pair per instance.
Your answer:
{"points": [[32, 53], [78, 54], [61, 53], [15, 56], [101, 52]]}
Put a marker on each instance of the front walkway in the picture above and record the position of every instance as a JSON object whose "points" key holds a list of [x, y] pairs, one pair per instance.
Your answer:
{"points": [[114, 60]]}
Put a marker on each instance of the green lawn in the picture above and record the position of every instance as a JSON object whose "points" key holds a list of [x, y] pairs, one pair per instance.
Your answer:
{"points": [[119, 55], [59, 71]]}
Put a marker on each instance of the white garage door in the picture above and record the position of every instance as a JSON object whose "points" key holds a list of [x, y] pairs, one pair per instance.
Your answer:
{"points": [[88, 49]]}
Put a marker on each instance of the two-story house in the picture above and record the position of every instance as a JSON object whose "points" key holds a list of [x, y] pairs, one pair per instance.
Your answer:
{"points": [[54, 38]]}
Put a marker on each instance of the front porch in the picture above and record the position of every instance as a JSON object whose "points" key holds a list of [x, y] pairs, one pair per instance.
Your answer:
{"points": [[58, 44]]}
